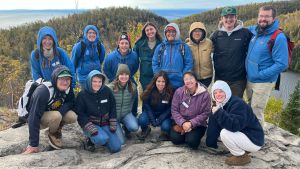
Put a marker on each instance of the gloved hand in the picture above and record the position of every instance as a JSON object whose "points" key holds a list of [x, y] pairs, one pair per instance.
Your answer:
{"points": [[112, 125], [91, 129]]}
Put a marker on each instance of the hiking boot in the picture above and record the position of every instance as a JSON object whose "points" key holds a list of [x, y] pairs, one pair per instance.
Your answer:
{"points": [[163, 137], [55, 139], [89, 145], [144, 133], [29, 150], [238, 160], [127, 133]]}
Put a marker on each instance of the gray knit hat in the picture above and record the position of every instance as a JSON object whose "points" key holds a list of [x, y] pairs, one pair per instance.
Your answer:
{"points": [[123, 68]]}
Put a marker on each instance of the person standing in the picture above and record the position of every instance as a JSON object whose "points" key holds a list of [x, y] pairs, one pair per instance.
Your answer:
{"points": [[172, 56], [88, 54], [144, 47], [201, 48], [230, 43], [263, 66], [48, 55]]}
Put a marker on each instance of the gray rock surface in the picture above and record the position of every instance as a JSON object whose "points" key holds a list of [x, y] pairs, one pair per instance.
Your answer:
{"points": [[282, 150]]}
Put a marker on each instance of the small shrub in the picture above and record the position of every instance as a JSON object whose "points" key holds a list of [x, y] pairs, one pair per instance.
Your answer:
{"points": [[273, 111]]}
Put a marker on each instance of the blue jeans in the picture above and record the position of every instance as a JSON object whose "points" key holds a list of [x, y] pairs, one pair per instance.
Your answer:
{"points": [[144, 122], [107, 138], [130, 122]]}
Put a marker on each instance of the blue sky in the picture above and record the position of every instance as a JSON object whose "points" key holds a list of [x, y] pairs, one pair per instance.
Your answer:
{"points": [[142, 4]]}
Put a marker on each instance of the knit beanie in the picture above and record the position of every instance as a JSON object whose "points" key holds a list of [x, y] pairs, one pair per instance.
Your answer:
{"points": [[125, 36], [122, 68]]}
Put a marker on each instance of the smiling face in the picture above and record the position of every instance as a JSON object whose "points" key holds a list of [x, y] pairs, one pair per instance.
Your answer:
{"points": [[124, 46], [190, 82], [265, 18], [63, 83], [123, 78], [197, 34], [160, 83], [171, 35], [96, 83], [150, 32], [229, 21], [91, 35], [219, 95], [47, 42]]}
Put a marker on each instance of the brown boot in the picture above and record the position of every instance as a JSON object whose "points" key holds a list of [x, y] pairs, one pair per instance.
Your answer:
{"points": [[238, 160], [55, 139]]}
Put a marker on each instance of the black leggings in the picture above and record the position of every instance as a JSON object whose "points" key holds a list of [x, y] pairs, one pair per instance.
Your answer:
{"points": [[192, 138]]}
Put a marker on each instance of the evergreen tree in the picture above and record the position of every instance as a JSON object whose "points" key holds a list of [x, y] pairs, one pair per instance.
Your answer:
{"points": [[291, 115]]}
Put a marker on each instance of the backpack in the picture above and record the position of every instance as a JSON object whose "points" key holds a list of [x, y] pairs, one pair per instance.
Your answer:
{"points": [[30, 86], [163, 48], [291, 44], [82, 50]]}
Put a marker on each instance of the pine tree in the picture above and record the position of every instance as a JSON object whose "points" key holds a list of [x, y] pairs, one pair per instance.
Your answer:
{"points": [[291, 115]]}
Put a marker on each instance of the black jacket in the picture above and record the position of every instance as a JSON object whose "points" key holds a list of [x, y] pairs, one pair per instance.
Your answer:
{"points": [[230, 54], [98, 107]]}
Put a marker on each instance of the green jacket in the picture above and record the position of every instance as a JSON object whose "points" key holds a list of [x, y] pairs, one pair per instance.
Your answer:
{"points": [[145, 55]]}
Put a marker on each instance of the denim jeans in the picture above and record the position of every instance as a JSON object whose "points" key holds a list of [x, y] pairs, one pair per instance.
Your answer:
{"points": [[130, 122], [144, 122], [107, 138]]}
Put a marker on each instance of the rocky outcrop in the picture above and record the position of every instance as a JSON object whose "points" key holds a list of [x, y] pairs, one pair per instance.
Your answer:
{"points": [[282, 150]]}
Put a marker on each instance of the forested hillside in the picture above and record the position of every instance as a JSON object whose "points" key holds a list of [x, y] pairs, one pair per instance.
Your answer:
{"points": [[17, 43]]}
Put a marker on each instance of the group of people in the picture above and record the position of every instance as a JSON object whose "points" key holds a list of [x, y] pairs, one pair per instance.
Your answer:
{"points": [[174, 76]]}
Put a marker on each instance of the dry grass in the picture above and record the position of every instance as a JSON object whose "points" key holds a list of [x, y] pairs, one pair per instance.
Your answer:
{"points": [[7, 117]]}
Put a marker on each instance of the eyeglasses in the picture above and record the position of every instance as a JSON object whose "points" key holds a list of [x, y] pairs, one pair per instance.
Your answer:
{"points": [[171, 32], [64, 79], [265, 16]]}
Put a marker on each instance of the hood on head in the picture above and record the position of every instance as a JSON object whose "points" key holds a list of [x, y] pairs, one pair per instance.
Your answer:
{"points": [[176, 28], [46, 30], [94, 28], [58, 70], [88, 82], [197, 25], [219, 84]]}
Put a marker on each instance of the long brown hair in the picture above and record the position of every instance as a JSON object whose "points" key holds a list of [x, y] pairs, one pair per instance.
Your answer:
{"points": [[152, 90], [144, 36]]}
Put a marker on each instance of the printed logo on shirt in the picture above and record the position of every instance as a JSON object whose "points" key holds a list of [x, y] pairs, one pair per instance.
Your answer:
{"points": [[104, 101], [238, 39]]}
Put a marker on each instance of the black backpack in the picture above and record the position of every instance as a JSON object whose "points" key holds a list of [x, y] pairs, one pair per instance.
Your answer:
{"points": [[163, 48], [82, 50]]}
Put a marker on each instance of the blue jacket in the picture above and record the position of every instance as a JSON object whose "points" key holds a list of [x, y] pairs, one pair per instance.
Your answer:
{"points": [[41, 67], [261, 65], [113, 60], [92, 60], [172, 60]]}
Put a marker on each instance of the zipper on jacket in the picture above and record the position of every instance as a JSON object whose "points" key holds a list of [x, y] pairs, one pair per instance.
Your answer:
{"points": [[170, 53], [121, 110]]}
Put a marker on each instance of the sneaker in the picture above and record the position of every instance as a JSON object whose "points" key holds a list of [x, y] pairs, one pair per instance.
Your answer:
{"points": [[55, 140], [238, 160], [29, 150], [144, 133], [89, 145]]}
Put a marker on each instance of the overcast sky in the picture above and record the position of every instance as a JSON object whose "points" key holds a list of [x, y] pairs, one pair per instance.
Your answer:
{"points": [[142, 4]]}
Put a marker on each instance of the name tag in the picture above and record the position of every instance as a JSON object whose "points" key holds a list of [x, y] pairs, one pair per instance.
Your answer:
{"points": [[164, 102], [185, 105], [104, 101]]}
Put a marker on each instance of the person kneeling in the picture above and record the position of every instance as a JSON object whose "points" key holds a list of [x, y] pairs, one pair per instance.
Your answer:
{"points": [[190, 110], [157, 107], [50, 106], [234, 121], [96, 109]]}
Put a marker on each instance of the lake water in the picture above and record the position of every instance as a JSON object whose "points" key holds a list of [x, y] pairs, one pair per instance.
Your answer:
{"points": [[12, 18]]}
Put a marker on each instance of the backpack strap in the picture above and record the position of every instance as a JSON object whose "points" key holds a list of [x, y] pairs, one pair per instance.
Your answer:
{"points": [[271, 42], [182, 52], [160, 53]]}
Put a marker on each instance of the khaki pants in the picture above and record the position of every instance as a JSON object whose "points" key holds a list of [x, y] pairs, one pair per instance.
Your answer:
{"points": [[258, 95], [54, 120]]}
